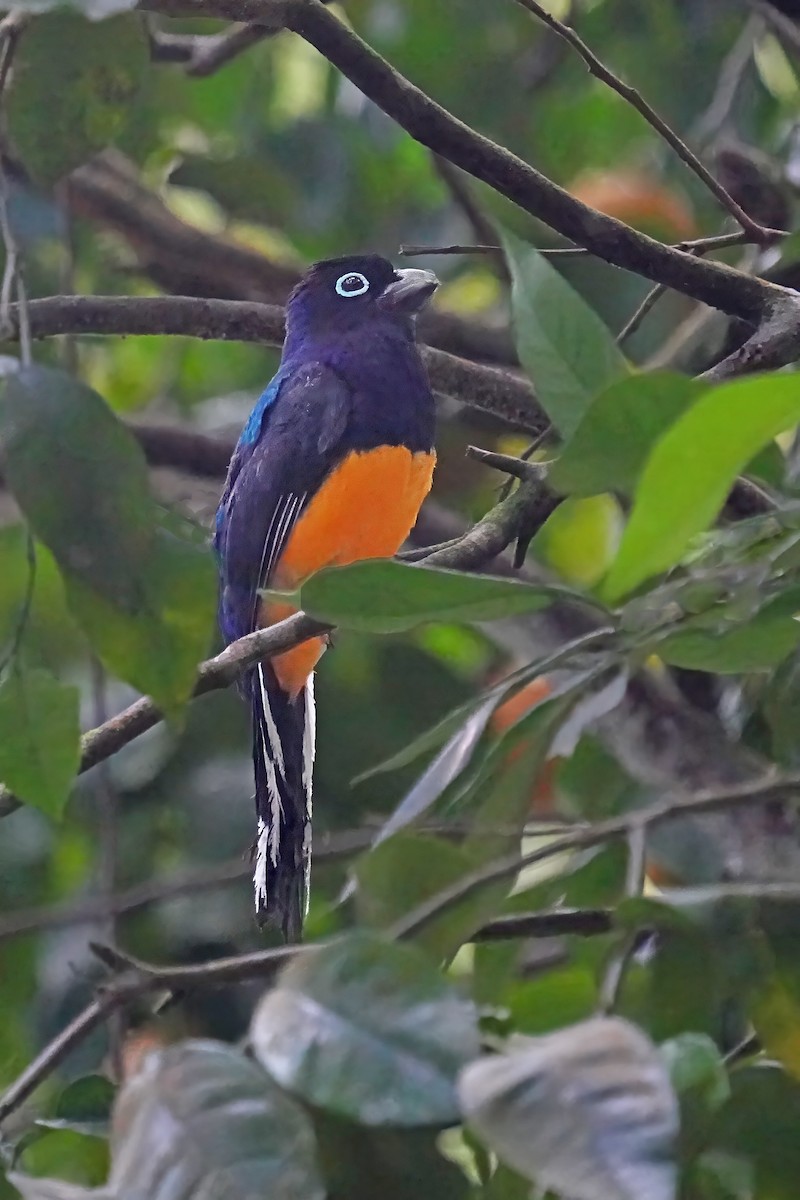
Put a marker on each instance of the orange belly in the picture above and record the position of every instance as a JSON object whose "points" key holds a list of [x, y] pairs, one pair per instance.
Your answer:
{"points": [[364, 509]]}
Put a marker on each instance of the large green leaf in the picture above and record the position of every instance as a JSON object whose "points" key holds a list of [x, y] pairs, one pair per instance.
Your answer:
{"points": [[610, 446], [73, 86], [369, 1030], [587, 1111], [691, 469], [143, 595], [564, 346], [385, 596], [197, 1120], [39, 738]]}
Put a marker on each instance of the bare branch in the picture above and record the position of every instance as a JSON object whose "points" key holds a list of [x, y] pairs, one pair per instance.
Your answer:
{"points": [[492, 389], [771, 786], [425, 120]]}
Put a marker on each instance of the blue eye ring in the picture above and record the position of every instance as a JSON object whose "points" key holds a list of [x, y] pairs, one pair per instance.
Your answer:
{"points": [[361, 284]]}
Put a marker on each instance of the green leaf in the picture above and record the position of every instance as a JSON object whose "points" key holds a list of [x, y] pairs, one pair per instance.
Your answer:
{"points": [[610, 446], [202, 1120], [84, 1106], [587, 1111], [692, 468], [385, 596], [759, 1124], [143, 595], [64, 107], [406, 870], [39, 738], [368, 1030], [566, 349], [754, 645], [698, 1074]]}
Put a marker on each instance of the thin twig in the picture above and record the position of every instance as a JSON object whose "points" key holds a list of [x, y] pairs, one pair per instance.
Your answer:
{"points": [[633, 322], [710, 123], [634, 886], [461, 194], [414, 251], [328, 847], [771, 786], [757, 232], [107, 855]]}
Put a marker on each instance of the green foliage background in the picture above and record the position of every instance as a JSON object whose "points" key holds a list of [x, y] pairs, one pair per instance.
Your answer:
{"points": [[279, 152]]}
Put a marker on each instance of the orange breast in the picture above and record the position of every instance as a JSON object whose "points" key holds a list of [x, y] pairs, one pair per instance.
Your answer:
{"points": [[364, 509]]}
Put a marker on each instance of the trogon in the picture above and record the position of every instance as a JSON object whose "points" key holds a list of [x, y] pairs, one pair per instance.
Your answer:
{"points": [[332, 466]]}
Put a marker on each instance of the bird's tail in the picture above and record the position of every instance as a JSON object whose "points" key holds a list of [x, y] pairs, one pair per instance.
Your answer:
{"points": [[283, 758]]}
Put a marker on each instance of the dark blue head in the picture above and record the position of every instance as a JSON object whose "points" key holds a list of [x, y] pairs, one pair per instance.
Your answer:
{"points": [[358, 294]]}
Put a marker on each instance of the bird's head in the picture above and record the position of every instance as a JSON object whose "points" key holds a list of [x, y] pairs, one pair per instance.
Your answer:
{"points": [[344, 295]]}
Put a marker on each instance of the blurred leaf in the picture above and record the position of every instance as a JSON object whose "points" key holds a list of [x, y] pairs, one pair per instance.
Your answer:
{"points": [[610, 446], [79, 1159], [759, 1124], [691, 469], [73, 84], [679, 985], [386, 596], [755, 644], [406, 870], [580, 539], [83, 1106], [393, 1164], [39, 738], [700, 1079], [564, 346], [143, 596], [368, 1030], [587, 1111], [199, 1119]]}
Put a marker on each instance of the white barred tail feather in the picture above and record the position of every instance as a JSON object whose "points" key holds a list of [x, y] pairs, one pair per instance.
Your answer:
{"points": [[283, 761]]}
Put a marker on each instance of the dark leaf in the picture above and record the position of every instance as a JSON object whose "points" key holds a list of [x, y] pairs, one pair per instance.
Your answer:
{"points": [[393, 1164], [65, 106], [39, 738], [143, 595], [368, 1030]]}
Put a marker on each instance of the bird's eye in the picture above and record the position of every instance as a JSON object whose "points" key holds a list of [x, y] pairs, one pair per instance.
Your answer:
{"points": [[352, 284]]}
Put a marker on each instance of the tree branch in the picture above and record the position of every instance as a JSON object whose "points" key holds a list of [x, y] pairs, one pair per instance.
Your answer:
{"points": [[491, 389], [758, 233], [770, 787], [187, 261], [720, 286]]}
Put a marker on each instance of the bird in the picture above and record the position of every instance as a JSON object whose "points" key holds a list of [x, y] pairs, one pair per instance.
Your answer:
{"points": [[332, 466]]}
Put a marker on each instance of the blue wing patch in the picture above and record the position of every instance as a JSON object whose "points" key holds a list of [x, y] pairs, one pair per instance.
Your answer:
{"points": [[252, 430]]}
